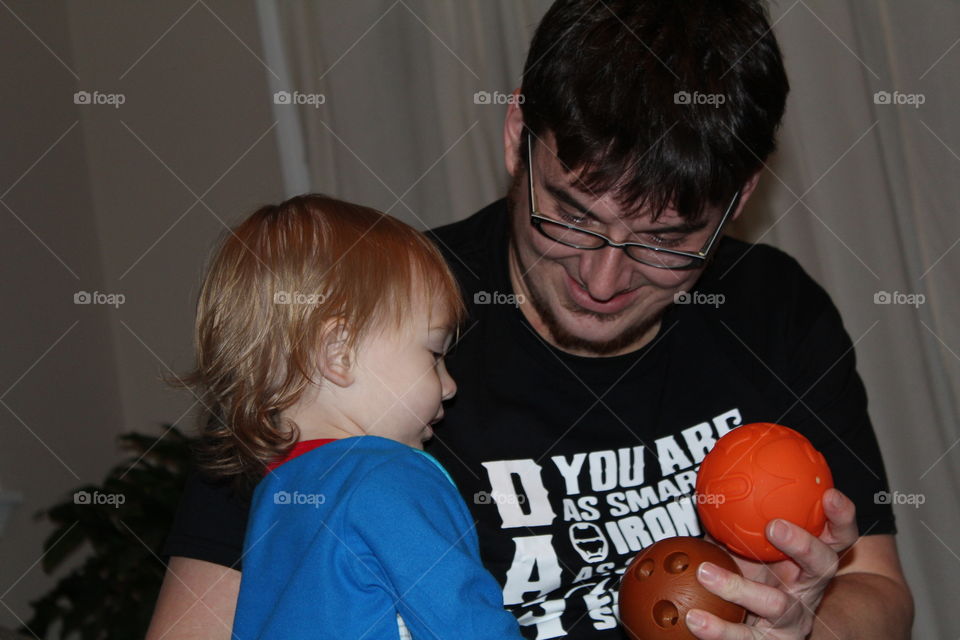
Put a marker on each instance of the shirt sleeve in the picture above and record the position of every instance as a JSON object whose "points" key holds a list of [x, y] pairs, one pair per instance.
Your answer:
{"points": [[209, 524], [415, 524]]}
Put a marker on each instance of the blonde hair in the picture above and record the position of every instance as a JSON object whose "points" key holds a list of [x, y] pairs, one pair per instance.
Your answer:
{"points": [[273, 286]]}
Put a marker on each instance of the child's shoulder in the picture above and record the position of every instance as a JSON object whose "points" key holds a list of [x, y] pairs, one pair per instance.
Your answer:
{"points": [[388, 460], [403, 485], [361, 469], [435, 463], [361, 475]]}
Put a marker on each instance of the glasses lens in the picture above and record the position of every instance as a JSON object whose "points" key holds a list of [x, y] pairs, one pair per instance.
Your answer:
{"points": [[582, 240], [570, 237], [660, 259]]}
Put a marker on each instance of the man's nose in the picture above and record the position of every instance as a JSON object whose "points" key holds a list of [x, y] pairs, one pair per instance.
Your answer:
{"points": [[605, 272]]}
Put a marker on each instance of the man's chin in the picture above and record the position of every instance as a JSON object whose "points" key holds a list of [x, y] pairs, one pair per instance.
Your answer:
{"points": [[574, 314], [580, 330]]}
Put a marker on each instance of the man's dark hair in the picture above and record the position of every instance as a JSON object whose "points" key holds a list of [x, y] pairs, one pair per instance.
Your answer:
{"points": [[671, 103]]}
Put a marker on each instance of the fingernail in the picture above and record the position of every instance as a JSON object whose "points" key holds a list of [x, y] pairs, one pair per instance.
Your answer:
{"points": [[708, 572], [780, 531], [836, 500], [695, 620]]}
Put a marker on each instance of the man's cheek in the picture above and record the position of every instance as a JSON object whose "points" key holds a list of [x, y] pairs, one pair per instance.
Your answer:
{"points": [[672, 282]]}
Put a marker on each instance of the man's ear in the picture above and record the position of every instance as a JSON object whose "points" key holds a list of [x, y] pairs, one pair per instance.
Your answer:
{"points": [[746, 192], [336, 358], [512, 133]]}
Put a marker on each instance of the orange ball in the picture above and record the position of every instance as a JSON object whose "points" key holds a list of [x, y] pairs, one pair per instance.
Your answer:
{"points": [[660, 586], [754, 474]]}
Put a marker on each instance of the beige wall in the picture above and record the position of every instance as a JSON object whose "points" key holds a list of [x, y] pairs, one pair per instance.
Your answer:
{"points": [[101, 212]]}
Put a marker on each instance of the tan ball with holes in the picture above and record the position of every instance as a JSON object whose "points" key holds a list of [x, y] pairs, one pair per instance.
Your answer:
{"points": [[660, 586]]}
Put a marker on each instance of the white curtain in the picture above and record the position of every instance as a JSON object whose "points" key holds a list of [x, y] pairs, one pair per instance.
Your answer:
{"points": [[410, 120], [863, 190], [871, 143]]}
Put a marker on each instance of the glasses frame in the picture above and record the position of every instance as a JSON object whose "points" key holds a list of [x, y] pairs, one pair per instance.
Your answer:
{"points": [[697, 258]]}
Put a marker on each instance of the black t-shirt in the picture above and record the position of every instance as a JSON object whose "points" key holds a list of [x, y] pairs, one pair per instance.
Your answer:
{"points": [[572, 465]]}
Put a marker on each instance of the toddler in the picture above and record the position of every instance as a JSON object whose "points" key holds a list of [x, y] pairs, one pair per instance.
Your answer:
{"points": [[321, 331]]}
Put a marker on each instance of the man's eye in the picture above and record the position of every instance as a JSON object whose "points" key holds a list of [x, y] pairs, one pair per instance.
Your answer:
{"points": [[572, 219], [664, 241]]}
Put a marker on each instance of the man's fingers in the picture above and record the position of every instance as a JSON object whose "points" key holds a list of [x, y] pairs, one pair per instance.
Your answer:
{"points": [[707, 626], [815, 558], [841, 531], [763, 600]]}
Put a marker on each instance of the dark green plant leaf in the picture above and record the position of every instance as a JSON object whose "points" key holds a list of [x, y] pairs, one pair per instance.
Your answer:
{"points": [[113, 591]]}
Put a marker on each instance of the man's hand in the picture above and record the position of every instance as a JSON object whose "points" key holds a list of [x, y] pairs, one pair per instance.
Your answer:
{"points": [[781, 598]]}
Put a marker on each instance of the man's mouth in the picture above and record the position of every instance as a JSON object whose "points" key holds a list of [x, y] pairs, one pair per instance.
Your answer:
{"points": [[583, 298]]}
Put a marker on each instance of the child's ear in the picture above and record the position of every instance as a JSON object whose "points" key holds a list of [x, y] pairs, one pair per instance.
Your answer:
{"points": [[336, 356]]}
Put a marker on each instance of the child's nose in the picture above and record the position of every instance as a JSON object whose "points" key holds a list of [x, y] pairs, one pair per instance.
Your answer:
{"points": [[448, 387]]}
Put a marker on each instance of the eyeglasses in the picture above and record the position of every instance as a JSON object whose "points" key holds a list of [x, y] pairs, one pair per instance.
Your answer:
{"points": [[651, 255]]}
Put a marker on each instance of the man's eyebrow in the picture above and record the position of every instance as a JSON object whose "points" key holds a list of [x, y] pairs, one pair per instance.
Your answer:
{"points": [[564, 196]]}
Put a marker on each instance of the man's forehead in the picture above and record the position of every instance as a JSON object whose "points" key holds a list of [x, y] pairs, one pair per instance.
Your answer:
{"points": [[571, 190], [570, 186]]}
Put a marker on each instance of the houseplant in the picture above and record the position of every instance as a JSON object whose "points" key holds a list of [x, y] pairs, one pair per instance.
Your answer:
{"points": [[122, 524]]}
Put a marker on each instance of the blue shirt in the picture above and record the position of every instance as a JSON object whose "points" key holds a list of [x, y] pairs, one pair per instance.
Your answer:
{"points": [[343, 538]]}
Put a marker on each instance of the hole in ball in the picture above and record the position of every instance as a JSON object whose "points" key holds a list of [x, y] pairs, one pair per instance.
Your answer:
{"points": [[665, 614], [645, 569], [676, 562]]}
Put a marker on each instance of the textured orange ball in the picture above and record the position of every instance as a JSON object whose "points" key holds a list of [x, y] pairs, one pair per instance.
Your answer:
{"points": [[660, 586], [754, 474]]}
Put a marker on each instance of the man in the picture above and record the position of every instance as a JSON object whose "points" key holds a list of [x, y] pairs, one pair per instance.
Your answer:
{"points": [[615, 335]]}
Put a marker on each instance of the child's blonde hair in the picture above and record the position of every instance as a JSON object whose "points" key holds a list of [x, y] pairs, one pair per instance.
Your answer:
{"points": [[275, 284]]}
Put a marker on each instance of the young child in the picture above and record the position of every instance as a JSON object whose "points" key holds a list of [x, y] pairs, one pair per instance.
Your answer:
{"points": [[321, 329]]}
